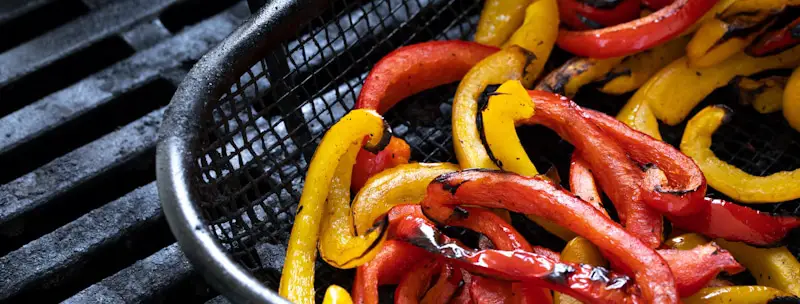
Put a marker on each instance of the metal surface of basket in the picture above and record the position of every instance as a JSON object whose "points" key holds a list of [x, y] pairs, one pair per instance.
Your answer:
{"points": [[242, 127]]}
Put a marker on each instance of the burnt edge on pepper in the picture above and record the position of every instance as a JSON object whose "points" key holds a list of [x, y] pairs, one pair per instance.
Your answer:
{"points": [[784, 300], [589, 22], [736, 29], [602, 4], [558, 78], [385, 138], [383, 225], [483, 103]]}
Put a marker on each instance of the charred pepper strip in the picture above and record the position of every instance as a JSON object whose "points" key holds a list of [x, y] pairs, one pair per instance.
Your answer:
{"points": [[387, 268], [738, 223], [445, 287], [579, 250], [297, 281], [507, 64], [537, 35], [582, 184], [580, 15], [535, 195], [634, 70], [490, 291], [791, 100], [583, 282], [398, 152], [403, 184], [728, 179], [694, 268], [416, 281], [773, 267], [638, 35], [621, 178], [673, 183], [499, 19], [765, 95], [575, 73], [741, 295], [776, 41]]}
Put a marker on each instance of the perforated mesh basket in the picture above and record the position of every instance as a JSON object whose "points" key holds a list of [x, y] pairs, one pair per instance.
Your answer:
{"points": [[244, 124]]}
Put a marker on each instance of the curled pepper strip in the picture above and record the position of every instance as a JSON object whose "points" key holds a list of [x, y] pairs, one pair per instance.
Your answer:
{"points": [[535, 195], [403, 184], [634, 70], [765, 95], [387, 268], [336, 295], [297, 281], [580, 15], [575, 73], [499, 19], [405, 72], [638, 115], [445, 287], [741, 295], [592, 284], [416, 281], [773, 267], [732, 181], [507, 64], [638, 35], [672, 106], [791, 100], [776, 41], [537, 35]]}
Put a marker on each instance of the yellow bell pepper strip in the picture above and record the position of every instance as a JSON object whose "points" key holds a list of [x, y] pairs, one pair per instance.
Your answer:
{"points": [[538, 35], [638, 115], [403, 184], [579, 250], [672, 106], [499, 19], [495, 69], [497, 121], [791, 100], [634, 70], [740, 295], [297, 281], [575, 73], [765, 95], [726, 178], [773, 267], [339, 246], [337, 295]]}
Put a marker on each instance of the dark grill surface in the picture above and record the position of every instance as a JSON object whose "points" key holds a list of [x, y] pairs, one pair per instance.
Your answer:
{"points": [[83, 84]]}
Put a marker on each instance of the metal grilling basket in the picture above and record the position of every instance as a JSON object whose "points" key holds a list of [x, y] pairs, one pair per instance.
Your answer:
{"points": [[239, 133]]}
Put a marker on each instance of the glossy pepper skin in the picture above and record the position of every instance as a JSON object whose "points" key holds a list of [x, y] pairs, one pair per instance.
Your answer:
{"points": [[537, 35], [336, 295], [634, 70], [499, 19], [582, 184], [446, 286], [776, 41], [791, 100], [575, 73], [415, 282], [657, 4], [773, 267], [387, 268], [728, 179], [580, 15], [595, 285], [297, 281], [535, 195], [404, 184], [405, 72], [579, 250], [638, 35], [740, 295], [765, 94]]}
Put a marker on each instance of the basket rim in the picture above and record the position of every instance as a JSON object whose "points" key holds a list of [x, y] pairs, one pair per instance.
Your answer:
{"points": [[208, 79]]}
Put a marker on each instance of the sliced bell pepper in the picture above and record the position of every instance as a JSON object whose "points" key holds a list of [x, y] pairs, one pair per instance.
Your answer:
{"points": [[445, 287], [490, 291], [592, 284], [638, 115], [638, 35], [741, 295], [336, 295], [497, 121], [738, 223], [686, 241], [499, 19], [582, 184], [791, 100], [405, 72], [579, 250], [726, 178], [776, 41], [765, 95], [399, 185], [672, 106], [504, 65], [416, 281], [581, 15], [575, 73], [463, 294], [297, 281], [538, 35], [387, 268], [694, 268], [634, 70], [773, 267], [657, 4], [535, 195]]}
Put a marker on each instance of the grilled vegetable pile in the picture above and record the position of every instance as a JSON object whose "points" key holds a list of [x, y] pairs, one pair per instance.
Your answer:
{"points": [[672, 54]]}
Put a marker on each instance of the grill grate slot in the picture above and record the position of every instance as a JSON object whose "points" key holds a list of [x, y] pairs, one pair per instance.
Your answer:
{"points": [[189, 12], [37, 21]]}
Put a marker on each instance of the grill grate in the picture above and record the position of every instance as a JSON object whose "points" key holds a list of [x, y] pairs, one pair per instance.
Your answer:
{"points": [[257, 139]]}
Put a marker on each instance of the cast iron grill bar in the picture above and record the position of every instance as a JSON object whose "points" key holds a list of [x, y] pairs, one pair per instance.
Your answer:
{"points": [[11, 9]]}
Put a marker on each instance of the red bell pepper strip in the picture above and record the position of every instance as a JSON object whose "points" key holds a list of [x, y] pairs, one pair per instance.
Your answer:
{"points": [[656, 4], [463, 296], [638, 35], [538, 196], [444, 289], [415, 283], [681, 187], [737, 223], [386, 268], [405, 72], [581, 182], [580, 15], [586, 283], [776, 41], [490, 291], [620, 178]]}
